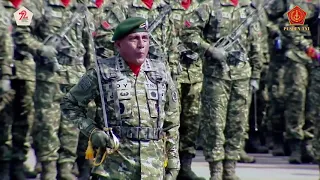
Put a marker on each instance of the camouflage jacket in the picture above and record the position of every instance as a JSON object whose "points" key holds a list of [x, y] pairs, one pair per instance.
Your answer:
{"points": [[209, 22], [24, 66], [6, 48], [138, 108], [49, 17], [187, 70], [105, 23]]}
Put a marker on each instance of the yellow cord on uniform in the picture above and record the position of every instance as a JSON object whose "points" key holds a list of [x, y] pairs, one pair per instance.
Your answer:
{"points": [[165, 153], [90, 151], [106, 152]]}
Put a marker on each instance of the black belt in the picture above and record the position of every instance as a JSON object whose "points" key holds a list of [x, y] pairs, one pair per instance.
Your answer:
{"points": [[138, 133]]}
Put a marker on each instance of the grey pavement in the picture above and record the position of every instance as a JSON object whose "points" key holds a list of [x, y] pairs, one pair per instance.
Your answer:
{"points": [[267, 167]]}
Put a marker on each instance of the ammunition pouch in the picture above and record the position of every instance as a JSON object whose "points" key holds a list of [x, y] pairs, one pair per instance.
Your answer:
{"points": [[138, 133]]}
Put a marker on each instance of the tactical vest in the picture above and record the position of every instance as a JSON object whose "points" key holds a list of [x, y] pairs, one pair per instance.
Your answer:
{"points": [[134, 105]]}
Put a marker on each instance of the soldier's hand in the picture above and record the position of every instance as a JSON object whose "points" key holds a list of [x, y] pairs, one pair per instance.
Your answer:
{"points": [[216, 53], [5, 85], [171, 174], [254, 85], [100, 139], [48, 51]]}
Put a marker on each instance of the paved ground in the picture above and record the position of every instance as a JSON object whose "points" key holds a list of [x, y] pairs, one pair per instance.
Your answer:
{"points": [[267, 167]]}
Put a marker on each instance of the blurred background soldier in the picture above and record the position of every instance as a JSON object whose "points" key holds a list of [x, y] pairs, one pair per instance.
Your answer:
{"points": [[299, 131], [6, 63], [22, 112], [186, 70], [259, 100], [276, 86], [228, 76], [59, 66]]}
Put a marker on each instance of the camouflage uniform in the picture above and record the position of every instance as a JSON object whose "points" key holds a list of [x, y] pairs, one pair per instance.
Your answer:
{"points": [[6, 61], [298, 131], [22, 117], [276, 85], [225, 95], [257, 111], [56, 138], [186, 71], [313, 96], [138, 149]]}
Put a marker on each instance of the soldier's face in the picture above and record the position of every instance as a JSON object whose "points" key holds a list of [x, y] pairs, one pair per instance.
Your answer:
{"points": [[134, 48]]}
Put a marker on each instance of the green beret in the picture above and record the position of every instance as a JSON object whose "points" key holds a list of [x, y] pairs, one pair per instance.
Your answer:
{"points": [[128, 26]]}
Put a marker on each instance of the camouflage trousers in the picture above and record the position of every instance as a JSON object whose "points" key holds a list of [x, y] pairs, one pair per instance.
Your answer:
{"points": [[224, 111], [17, 121], [296, 83], [189, 116], [56, 138], [276, 91], [313, 108]]}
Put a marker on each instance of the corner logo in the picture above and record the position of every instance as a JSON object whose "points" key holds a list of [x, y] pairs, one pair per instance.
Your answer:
{"points": [[297, 17], [23, 17]]}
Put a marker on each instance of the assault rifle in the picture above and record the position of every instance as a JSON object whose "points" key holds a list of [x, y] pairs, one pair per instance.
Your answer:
{"points": [[228, 42], [58, 40], [155, 23]]}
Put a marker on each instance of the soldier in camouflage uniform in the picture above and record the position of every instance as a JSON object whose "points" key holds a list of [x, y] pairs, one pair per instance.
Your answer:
{"points": [[6, 61], [225, 94], [56, 138], [141, 104], [186, 70], [299, 131], [307, 44], [276, 86], [21, 116]]}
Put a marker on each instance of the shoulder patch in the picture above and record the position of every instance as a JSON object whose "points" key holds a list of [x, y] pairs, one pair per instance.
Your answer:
{"points": [[85, 83], [174, 96]]}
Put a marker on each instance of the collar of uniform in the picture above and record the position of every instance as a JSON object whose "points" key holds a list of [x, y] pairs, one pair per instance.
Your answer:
{"points": [[155, 5], [121, 65], [175, 5], [9, 4], [73, 3], [229, 3], [91, 4]]}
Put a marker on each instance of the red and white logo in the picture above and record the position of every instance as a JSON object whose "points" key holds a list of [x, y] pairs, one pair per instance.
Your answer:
{"points": [[23, 17]]}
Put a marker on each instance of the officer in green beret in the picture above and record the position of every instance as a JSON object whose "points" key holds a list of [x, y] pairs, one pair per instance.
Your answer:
{"points": [[139, 109]]}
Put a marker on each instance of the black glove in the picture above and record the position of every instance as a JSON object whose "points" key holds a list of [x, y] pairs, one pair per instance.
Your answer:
{"points": [[100, 139]]}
